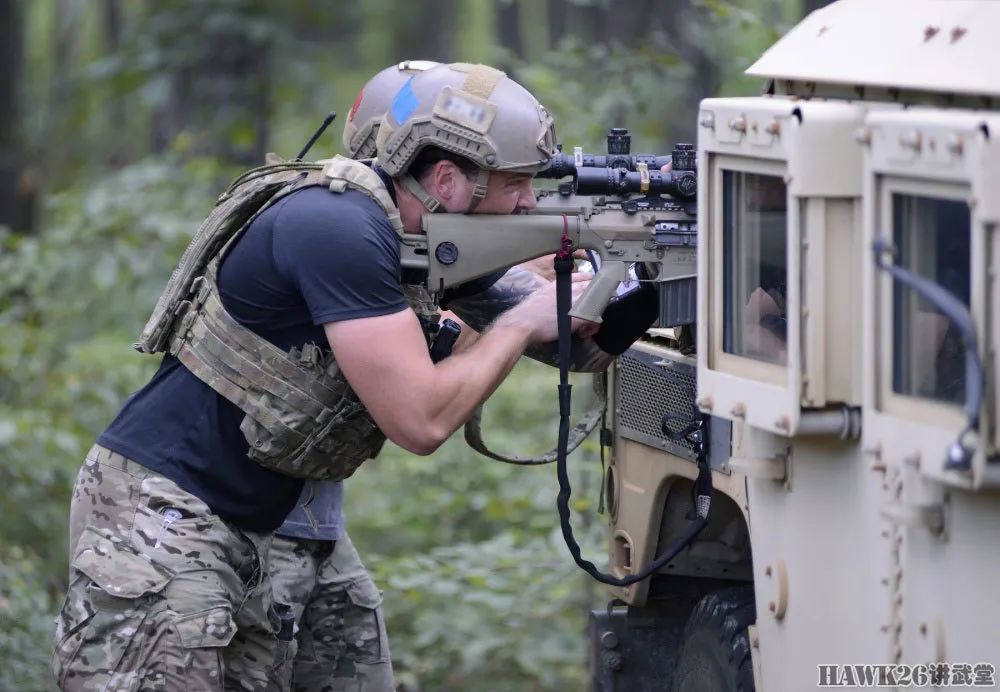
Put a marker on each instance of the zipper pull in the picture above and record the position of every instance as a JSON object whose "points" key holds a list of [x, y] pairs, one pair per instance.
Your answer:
{"points": [[169, 517]]}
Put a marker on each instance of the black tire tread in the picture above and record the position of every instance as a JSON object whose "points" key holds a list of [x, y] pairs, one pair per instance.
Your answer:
{"points": [[725, 614]]}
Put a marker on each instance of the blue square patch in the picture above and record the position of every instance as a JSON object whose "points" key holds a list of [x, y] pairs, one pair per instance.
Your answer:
{"points": [[404, 103]]}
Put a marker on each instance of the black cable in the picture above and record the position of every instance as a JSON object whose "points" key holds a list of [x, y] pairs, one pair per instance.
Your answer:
{"points": [[959, 455], [702, 486]]}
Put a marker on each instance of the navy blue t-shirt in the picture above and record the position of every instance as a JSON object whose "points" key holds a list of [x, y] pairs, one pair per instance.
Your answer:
{"points": [[312, 258]]}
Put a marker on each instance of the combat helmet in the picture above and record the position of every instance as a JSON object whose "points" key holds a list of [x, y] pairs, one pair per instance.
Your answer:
{"points": [[475, 111], [371, 104]]}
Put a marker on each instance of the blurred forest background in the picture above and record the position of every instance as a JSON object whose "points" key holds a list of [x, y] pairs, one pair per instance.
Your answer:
{"points": [[122, 120]]}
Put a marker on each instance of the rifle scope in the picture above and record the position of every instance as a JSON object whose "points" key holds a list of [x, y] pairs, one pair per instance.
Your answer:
{"points": [[618, 181], [562, 165], [617, 172]]}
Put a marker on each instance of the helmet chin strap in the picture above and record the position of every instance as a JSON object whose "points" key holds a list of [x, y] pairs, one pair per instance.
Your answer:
{"points": [[479, 189], [433, 205], [415, 189]]}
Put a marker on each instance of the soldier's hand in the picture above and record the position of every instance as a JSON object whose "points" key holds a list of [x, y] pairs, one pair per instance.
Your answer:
{"points": [[538, 312], [543, 266]]}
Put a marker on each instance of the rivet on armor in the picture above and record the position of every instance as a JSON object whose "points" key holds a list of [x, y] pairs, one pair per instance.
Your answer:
{"points": [[911, 140]]}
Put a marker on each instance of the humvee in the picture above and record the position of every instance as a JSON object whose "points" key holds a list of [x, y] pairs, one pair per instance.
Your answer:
{"points": [[844, 349]]}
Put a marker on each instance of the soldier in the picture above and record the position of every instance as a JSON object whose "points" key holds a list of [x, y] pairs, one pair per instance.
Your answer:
{"points": [[342, 641], [291, 354], [315, 569]]}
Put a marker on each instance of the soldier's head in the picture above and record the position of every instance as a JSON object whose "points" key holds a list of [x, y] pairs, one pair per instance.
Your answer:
{"points": [[465, 138], [372, 103]]}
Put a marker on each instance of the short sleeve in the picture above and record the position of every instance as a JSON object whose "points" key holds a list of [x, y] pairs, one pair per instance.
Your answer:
{"points": [[341, 253]]}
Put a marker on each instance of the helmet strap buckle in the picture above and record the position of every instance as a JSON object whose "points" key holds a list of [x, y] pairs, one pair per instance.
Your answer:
{"points": [[416, 189], [479, 189]]}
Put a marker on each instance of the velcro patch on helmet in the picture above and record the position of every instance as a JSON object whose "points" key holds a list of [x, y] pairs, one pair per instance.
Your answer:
{"points": [[404, 103], [466, 110]]}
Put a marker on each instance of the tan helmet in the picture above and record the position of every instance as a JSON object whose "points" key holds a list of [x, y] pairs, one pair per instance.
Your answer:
{"points": [[475, 111], [371, 104]]}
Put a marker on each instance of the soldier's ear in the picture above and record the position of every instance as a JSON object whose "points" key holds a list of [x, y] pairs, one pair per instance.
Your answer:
{"points": [[444, 181]]}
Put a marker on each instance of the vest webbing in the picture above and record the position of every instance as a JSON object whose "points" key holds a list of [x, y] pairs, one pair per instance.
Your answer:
{"points": [[302, 417]]}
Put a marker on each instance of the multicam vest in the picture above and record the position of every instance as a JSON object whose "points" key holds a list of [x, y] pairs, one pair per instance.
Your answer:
{"points": [[302, 417]]}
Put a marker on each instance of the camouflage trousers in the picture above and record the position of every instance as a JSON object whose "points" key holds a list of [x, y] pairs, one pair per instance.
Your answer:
{"points": [[342, 642], [163, 594]]}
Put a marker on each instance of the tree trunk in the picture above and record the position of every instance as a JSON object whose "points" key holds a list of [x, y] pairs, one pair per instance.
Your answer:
{"points": [[585, 23], [220, 90], [116, 145], [557, 21], [810, 5], [18, 184], [628, 27], [476, 42], [706, 76], [436, 17], [533, 27], [508, 12]]}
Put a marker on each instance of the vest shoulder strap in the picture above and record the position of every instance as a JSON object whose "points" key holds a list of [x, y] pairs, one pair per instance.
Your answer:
{"points": [[347, 173]]}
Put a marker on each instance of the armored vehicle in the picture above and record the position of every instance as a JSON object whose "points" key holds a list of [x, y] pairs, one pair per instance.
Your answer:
{"points": [[844, 351]]}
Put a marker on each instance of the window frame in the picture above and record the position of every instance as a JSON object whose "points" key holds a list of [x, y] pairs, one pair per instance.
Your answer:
{"points": [[721, 360], [920, 408], [945, 154], [784, 137]]}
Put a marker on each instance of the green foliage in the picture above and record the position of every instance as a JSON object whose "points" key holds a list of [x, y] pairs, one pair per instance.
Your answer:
{"points": [[71, 302], [481, 593], [25, 623], [636, 84], [73, 299]]}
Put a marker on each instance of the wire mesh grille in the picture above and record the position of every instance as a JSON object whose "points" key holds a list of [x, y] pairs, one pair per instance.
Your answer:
{"points": [[646, 392]]}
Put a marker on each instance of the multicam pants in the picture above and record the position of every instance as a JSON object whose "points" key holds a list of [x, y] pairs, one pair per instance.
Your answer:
{"points": [[163, 594], [342, 643]]}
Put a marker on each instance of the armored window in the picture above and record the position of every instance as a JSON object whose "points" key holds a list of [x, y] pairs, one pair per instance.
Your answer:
{"points": [[932, 238], [755, 271]]}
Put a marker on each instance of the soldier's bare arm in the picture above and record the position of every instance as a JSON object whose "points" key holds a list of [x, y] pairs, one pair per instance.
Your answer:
{"points": [[417, 403], [480, 310]]}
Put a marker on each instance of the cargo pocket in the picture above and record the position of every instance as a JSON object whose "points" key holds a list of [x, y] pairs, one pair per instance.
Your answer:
{"points": [[364, 629], [202, 637], [108, 617]]}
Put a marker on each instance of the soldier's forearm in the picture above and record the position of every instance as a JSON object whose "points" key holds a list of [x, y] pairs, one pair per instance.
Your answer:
{"points": [[481, 310]]}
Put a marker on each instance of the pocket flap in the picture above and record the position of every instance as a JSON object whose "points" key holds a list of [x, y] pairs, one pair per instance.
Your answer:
{"points": [[206, 628], [116, 568], [364, 593]]}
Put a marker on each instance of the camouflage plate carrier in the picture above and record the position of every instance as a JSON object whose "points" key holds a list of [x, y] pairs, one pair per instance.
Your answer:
{"points": [[302, 417]]}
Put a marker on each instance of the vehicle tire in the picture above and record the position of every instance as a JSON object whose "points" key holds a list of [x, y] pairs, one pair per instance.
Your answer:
{"points": [[715, 655]]}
